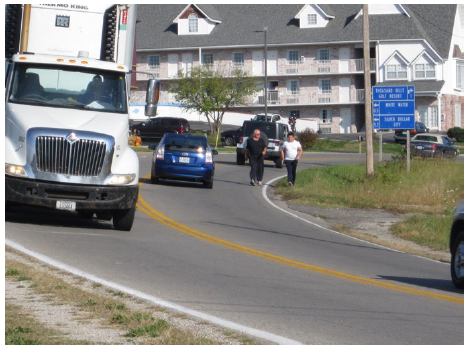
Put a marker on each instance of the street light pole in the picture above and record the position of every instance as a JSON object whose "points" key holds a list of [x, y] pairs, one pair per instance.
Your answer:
{"points": [[265, 71]]}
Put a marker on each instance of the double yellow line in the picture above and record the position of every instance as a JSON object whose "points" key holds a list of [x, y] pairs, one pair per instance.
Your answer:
{"points": [[152, 213]]}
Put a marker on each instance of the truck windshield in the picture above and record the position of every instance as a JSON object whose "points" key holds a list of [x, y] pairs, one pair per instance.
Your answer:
{"points": [[68, 87]]}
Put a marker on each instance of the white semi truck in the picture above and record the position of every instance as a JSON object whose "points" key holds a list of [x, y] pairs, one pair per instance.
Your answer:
{"points": [[66, 107]]}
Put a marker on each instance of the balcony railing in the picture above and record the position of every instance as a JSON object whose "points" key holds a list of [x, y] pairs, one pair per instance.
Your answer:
{"points": [[298, 97]]}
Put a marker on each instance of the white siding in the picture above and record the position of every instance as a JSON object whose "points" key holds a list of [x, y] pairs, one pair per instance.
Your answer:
{"points": [[311, 9]]}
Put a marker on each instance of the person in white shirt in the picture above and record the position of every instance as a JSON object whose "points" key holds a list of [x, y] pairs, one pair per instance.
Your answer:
{"points": [[291, 153]]}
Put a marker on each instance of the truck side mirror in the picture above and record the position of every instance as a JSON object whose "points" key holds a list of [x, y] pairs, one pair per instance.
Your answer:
{"points": [[153, 95]]}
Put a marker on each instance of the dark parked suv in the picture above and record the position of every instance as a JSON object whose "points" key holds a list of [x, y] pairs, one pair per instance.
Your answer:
{"points": [[157, 127], [277, 134]]}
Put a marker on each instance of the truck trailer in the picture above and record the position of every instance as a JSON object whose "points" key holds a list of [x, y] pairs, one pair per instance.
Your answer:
{"points": [[66, 106]]}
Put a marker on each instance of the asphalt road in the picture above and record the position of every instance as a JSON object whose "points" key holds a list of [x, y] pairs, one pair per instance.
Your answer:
{"points": [[229, 253]]}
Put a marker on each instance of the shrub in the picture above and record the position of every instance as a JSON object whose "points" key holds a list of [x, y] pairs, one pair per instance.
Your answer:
{"points": [[135, 141], [457, 133], [307, 138]]}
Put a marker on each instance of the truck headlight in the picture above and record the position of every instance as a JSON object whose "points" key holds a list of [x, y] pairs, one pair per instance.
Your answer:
{"points": [[122, 179], [15, 170]]}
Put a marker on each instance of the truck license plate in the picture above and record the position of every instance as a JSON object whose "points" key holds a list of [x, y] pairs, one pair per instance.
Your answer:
{"points": [[184, 160], [66, 205], [419, 147]]}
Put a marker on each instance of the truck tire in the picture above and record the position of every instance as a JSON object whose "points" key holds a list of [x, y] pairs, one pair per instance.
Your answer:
{"points": [[240, 160], [229, 141], [279, 163], [457, 261], [123, 219]]}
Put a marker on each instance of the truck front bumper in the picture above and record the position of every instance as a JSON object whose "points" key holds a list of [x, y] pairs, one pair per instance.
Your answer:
{"points": [[86, 197]]}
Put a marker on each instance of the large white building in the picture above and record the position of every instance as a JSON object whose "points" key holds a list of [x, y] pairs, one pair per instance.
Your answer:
{"points": [[315, 59]]}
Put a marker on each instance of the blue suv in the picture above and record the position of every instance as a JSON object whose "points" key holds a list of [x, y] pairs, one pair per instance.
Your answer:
{"points": [[183, 157]]}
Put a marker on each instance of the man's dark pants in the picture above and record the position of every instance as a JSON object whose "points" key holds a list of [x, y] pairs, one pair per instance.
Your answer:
{"points": [[291, 170], [257, 166]]}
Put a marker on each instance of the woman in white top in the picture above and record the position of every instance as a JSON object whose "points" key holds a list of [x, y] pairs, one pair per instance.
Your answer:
{"points": [[291, 153]]}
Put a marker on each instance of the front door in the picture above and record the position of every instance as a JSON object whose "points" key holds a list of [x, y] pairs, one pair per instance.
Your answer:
{"points": [[258, 63], [344, 88], [345, 120], [272, 62], [344, 57], [173, 60]]}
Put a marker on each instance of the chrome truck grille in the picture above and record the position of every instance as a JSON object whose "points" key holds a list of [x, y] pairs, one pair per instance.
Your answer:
{"points": [[82, 157]]}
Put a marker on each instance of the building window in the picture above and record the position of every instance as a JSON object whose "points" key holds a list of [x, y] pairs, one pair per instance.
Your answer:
{"points": [[396, 72], [295, 114], [193, 23], [324, 86], [424, 71], [207, 58], [325, 55], [238, 59], [153, 62], [312, 19], [293, 87], [460, 75], [293, 57], [429, 116], [325, 116]]}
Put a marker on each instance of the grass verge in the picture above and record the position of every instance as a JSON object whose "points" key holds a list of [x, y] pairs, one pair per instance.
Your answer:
{"points": [[430, 191], [107, 306]]}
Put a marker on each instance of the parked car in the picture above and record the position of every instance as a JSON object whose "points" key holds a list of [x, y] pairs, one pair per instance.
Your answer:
{"points": [[456, 246], [400, 136], [276, 133], [432, 145], [231, 137], [270, 117], [183, 157], [157, 127]]}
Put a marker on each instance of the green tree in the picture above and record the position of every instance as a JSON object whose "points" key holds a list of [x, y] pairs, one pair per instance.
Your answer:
{"points": [[212, 91]]}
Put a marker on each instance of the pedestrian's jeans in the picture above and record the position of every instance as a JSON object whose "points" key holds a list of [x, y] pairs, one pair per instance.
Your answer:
{"points": [[291, 169], [257, 168]]}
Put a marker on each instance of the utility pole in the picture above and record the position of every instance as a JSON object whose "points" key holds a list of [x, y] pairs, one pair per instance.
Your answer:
{"points": [[368, 120], [265, 72]]}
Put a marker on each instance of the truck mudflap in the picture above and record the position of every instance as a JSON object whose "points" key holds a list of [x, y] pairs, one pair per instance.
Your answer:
{"points": [[85, 197]]}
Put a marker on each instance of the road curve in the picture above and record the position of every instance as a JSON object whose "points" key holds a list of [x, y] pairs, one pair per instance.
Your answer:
{"points": [[230, 254]]}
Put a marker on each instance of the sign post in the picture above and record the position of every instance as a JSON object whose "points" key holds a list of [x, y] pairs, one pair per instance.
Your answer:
{"points": [[394, 108]]}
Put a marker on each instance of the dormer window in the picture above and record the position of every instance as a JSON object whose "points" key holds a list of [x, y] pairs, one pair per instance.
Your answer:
{"points": [[312, 19], [193, 23], [425, 71], [396, 72]]}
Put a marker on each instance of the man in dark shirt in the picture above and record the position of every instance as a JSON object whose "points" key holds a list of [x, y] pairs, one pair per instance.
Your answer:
{"points": [[255, 150]]}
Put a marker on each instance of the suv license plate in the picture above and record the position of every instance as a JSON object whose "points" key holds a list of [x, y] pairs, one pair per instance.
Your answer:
{"points": [[66, 205], [419, 147], [184, 160]]}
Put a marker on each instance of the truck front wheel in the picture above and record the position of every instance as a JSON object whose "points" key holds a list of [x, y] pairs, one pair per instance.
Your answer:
{"points": [[123, 219]]}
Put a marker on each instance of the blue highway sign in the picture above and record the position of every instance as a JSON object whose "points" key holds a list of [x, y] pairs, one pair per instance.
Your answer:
{"points": [[393, 107]]}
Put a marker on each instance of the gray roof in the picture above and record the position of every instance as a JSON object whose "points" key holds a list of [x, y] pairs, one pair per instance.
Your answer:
{"points": [[156, 29]]}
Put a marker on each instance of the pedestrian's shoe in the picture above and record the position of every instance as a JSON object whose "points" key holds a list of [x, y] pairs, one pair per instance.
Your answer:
{"points": [[259, 183], [290, 184], [252, 182]]}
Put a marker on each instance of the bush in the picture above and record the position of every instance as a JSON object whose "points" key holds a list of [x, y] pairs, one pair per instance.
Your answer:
{"points": [[135, 141], [457, 133], [307, 138]]}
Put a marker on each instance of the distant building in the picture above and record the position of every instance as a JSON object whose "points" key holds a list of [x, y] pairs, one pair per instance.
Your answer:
{"points": [[314, 56]]}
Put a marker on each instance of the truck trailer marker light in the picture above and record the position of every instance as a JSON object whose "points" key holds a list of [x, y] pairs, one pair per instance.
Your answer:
{"points": [[72, 61], [15, 170], [84, 62], [60, 60], [23, 58], [120, 67], [122, 179]]}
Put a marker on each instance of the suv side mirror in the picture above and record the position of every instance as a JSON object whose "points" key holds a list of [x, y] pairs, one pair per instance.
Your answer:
{"points": [[153, 95]]}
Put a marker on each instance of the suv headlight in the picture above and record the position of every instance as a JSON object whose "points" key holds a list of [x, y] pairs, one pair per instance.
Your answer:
{"points": [[121, 179], [15, 170]]}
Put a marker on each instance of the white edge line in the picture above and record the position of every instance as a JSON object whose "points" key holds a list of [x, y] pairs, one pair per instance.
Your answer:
{"points": [[161, 302], [264, 194]]}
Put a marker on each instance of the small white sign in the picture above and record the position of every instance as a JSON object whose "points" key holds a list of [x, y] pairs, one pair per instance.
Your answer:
{"points": [[66, 205]]}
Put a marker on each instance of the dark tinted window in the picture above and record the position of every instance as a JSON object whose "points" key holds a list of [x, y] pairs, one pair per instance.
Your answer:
{"points": [[268, 129], [173, 122], [188, 144]]}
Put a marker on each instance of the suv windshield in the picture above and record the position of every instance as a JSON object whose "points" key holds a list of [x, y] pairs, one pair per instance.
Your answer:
{"points": [[68, 87]]}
